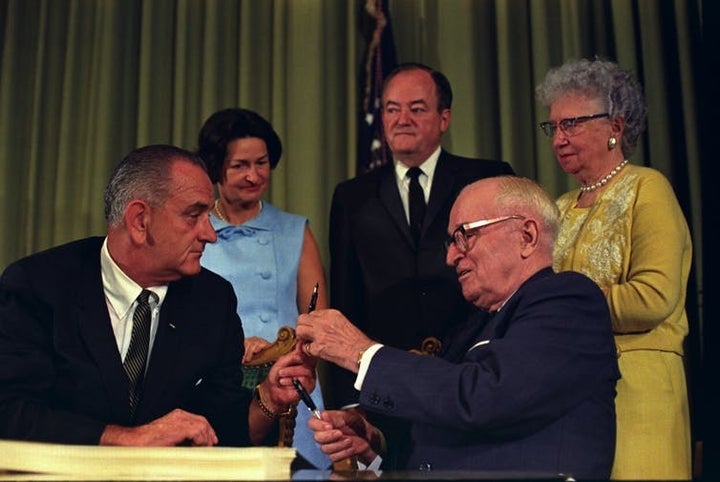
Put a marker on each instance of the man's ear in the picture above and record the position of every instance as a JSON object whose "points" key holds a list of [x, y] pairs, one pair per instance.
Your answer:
{"points": [[445, 118], [530, 237], [137, 216]]}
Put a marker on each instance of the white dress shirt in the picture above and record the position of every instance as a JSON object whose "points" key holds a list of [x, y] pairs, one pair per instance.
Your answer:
{"points": [[121, 298], [425, 180]]}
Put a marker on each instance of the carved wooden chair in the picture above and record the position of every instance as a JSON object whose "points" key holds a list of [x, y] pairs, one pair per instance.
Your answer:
{"points": [[257, 369], [430, 346]]}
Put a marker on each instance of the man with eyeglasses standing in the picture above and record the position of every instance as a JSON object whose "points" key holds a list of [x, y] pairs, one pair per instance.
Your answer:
{"points": [[530, 388]]}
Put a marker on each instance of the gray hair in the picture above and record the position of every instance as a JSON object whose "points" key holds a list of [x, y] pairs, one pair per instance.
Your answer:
{"points": [[603, 80], [516, 194], [145, 173]]}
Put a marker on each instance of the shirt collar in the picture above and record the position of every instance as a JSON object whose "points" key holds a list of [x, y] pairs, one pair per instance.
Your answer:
{"points": [[427, 166], [505, 302], [121, 291]]}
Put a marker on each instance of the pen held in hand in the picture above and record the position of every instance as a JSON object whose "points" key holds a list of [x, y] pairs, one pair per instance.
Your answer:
{"points": [[306, 398], [313, 298]]}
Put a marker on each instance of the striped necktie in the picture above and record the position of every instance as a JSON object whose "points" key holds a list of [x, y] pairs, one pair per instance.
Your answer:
{"points": [[136, 357]]}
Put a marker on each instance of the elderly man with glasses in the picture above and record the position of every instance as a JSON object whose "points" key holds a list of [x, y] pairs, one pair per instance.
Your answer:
{"points": [[530, 388]]}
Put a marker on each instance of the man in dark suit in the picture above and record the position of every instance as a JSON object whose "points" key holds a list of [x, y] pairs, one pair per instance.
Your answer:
{"points": [[529, 388], [85, 360], [391, 282]]}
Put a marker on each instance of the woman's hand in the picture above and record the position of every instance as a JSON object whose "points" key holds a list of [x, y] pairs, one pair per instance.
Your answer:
{"points": [[278, 385], [253, 346]]}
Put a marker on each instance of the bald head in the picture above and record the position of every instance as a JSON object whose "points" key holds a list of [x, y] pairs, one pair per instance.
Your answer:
{"points": [[513, 193], [504, 230]]}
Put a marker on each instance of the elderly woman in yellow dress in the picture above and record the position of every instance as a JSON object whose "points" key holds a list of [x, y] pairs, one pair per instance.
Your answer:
{"points": [[624, 228]]}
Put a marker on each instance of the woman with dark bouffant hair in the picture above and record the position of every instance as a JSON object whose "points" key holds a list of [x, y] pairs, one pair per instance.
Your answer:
{"points": [[270, 256]]}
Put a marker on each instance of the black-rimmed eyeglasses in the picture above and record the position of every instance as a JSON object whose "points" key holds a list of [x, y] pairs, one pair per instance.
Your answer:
{"points": [[459, 237], [568, 126]]}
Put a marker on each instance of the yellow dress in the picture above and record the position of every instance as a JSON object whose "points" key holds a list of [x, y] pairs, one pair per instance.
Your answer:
{"points": [[635, 243]]}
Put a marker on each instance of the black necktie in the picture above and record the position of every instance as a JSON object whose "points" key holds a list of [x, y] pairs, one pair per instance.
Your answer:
{"points": [[416, 202], [136, 357]]}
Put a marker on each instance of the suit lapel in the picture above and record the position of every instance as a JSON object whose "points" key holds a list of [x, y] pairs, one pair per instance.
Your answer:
{"points": [[165, 352], [442, 189], [96, 331], [390, 199], [443, 186], [465, 335]]}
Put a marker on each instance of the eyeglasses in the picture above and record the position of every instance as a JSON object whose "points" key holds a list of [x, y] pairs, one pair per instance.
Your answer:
{"points": [[459, 237], [569, 126]]}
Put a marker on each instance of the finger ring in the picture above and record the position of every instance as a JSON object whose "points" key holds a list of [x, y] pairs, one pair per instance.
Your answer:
{"points": [[306, 348]]}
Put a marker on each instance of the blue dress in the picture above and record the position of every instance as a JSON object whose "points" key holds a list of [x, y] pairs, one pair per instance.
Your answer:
{"points": [[260, 258]]}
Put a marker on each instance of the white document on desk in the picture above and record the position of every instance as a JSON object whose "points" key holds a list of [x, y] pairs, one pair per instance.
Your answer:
{"points": [[44, 461]]}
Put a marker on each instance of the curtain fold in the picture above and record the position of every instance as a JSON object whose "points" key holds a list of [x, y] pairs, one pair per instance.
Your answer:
{"points": [[85, 81], [82, 82]]}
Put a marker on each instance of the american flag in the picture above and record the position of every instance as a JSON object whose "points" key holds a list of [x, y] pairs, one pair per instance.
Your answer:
{"points": [[379, 60]]}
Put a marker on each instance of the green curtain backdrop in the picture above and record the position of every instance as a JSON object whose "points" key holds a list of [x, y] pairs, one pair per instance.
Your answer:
{"points": [[82, 82], [85, 81]]}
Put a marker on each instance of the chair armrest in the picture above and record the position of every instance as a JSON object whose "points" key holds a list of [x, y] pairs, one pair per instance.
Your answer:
{"points": [[283, 344]]}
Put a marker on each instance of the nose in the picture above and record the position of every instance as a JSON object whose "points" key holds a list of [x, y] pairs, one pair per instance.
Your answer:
{"points": [[207, 233], [251, 175], [403, 116], [453, 255], [559, 138]]}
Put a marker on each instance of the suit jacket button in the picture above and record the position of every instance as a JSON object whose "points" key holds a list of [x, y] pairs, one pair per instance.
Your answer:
{"points": [[425, 467], [387, 403], [374, 399]]}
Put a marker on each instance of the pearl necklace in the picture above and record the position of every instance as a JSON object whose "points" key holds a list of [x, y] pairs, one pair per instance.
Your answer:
{"points": [[605, 179], [218, 212], [222, 217]]}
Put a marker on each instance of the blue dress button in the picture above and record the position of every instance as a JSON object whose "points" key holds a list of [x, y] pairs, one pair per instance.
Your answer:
{"points": [[266, 275], [264, 318]]}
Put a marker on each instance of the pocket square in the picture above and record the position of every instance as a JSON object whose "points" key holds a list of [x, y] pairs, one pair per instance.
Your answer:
{"points": [[483, 342]]}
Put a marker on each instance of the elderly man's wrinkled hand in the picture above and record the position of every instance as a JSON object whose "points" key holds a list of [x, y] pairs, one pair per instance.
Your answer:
{"points": [[342, 434], [327, 334]]}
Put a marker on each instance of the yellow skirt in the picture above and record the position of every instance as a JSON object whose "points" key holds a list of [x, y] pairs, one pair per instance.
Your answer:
{"points": [[653, 418]]}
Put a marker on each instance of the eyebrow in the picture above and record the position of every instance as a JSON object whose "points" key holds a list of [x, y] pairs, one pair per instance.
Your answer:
{"points": [[244, 159], [197, 206], [416, 101]]}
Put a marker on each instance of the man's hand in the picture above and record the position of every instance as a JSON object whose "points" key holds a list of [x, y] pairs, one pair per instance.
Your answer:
{"points": [[176, 428], [346, 433], [327, 334]]}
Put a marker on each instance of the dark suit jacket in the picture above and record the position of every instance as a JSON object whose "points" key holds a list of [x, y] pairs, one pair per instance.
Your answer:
{"points": [[531, 389], [61, 376], [394, 291]]}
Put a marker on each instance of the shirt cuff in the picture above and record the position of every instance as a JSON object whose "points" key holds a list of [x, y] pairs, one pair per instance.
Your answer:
{"points": [[365, 364], [374, 465]]}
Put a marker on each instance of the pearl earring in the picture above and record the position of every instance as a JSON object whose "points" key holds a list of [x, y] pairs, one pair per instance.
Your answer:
{"points": [[612, 142]]}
